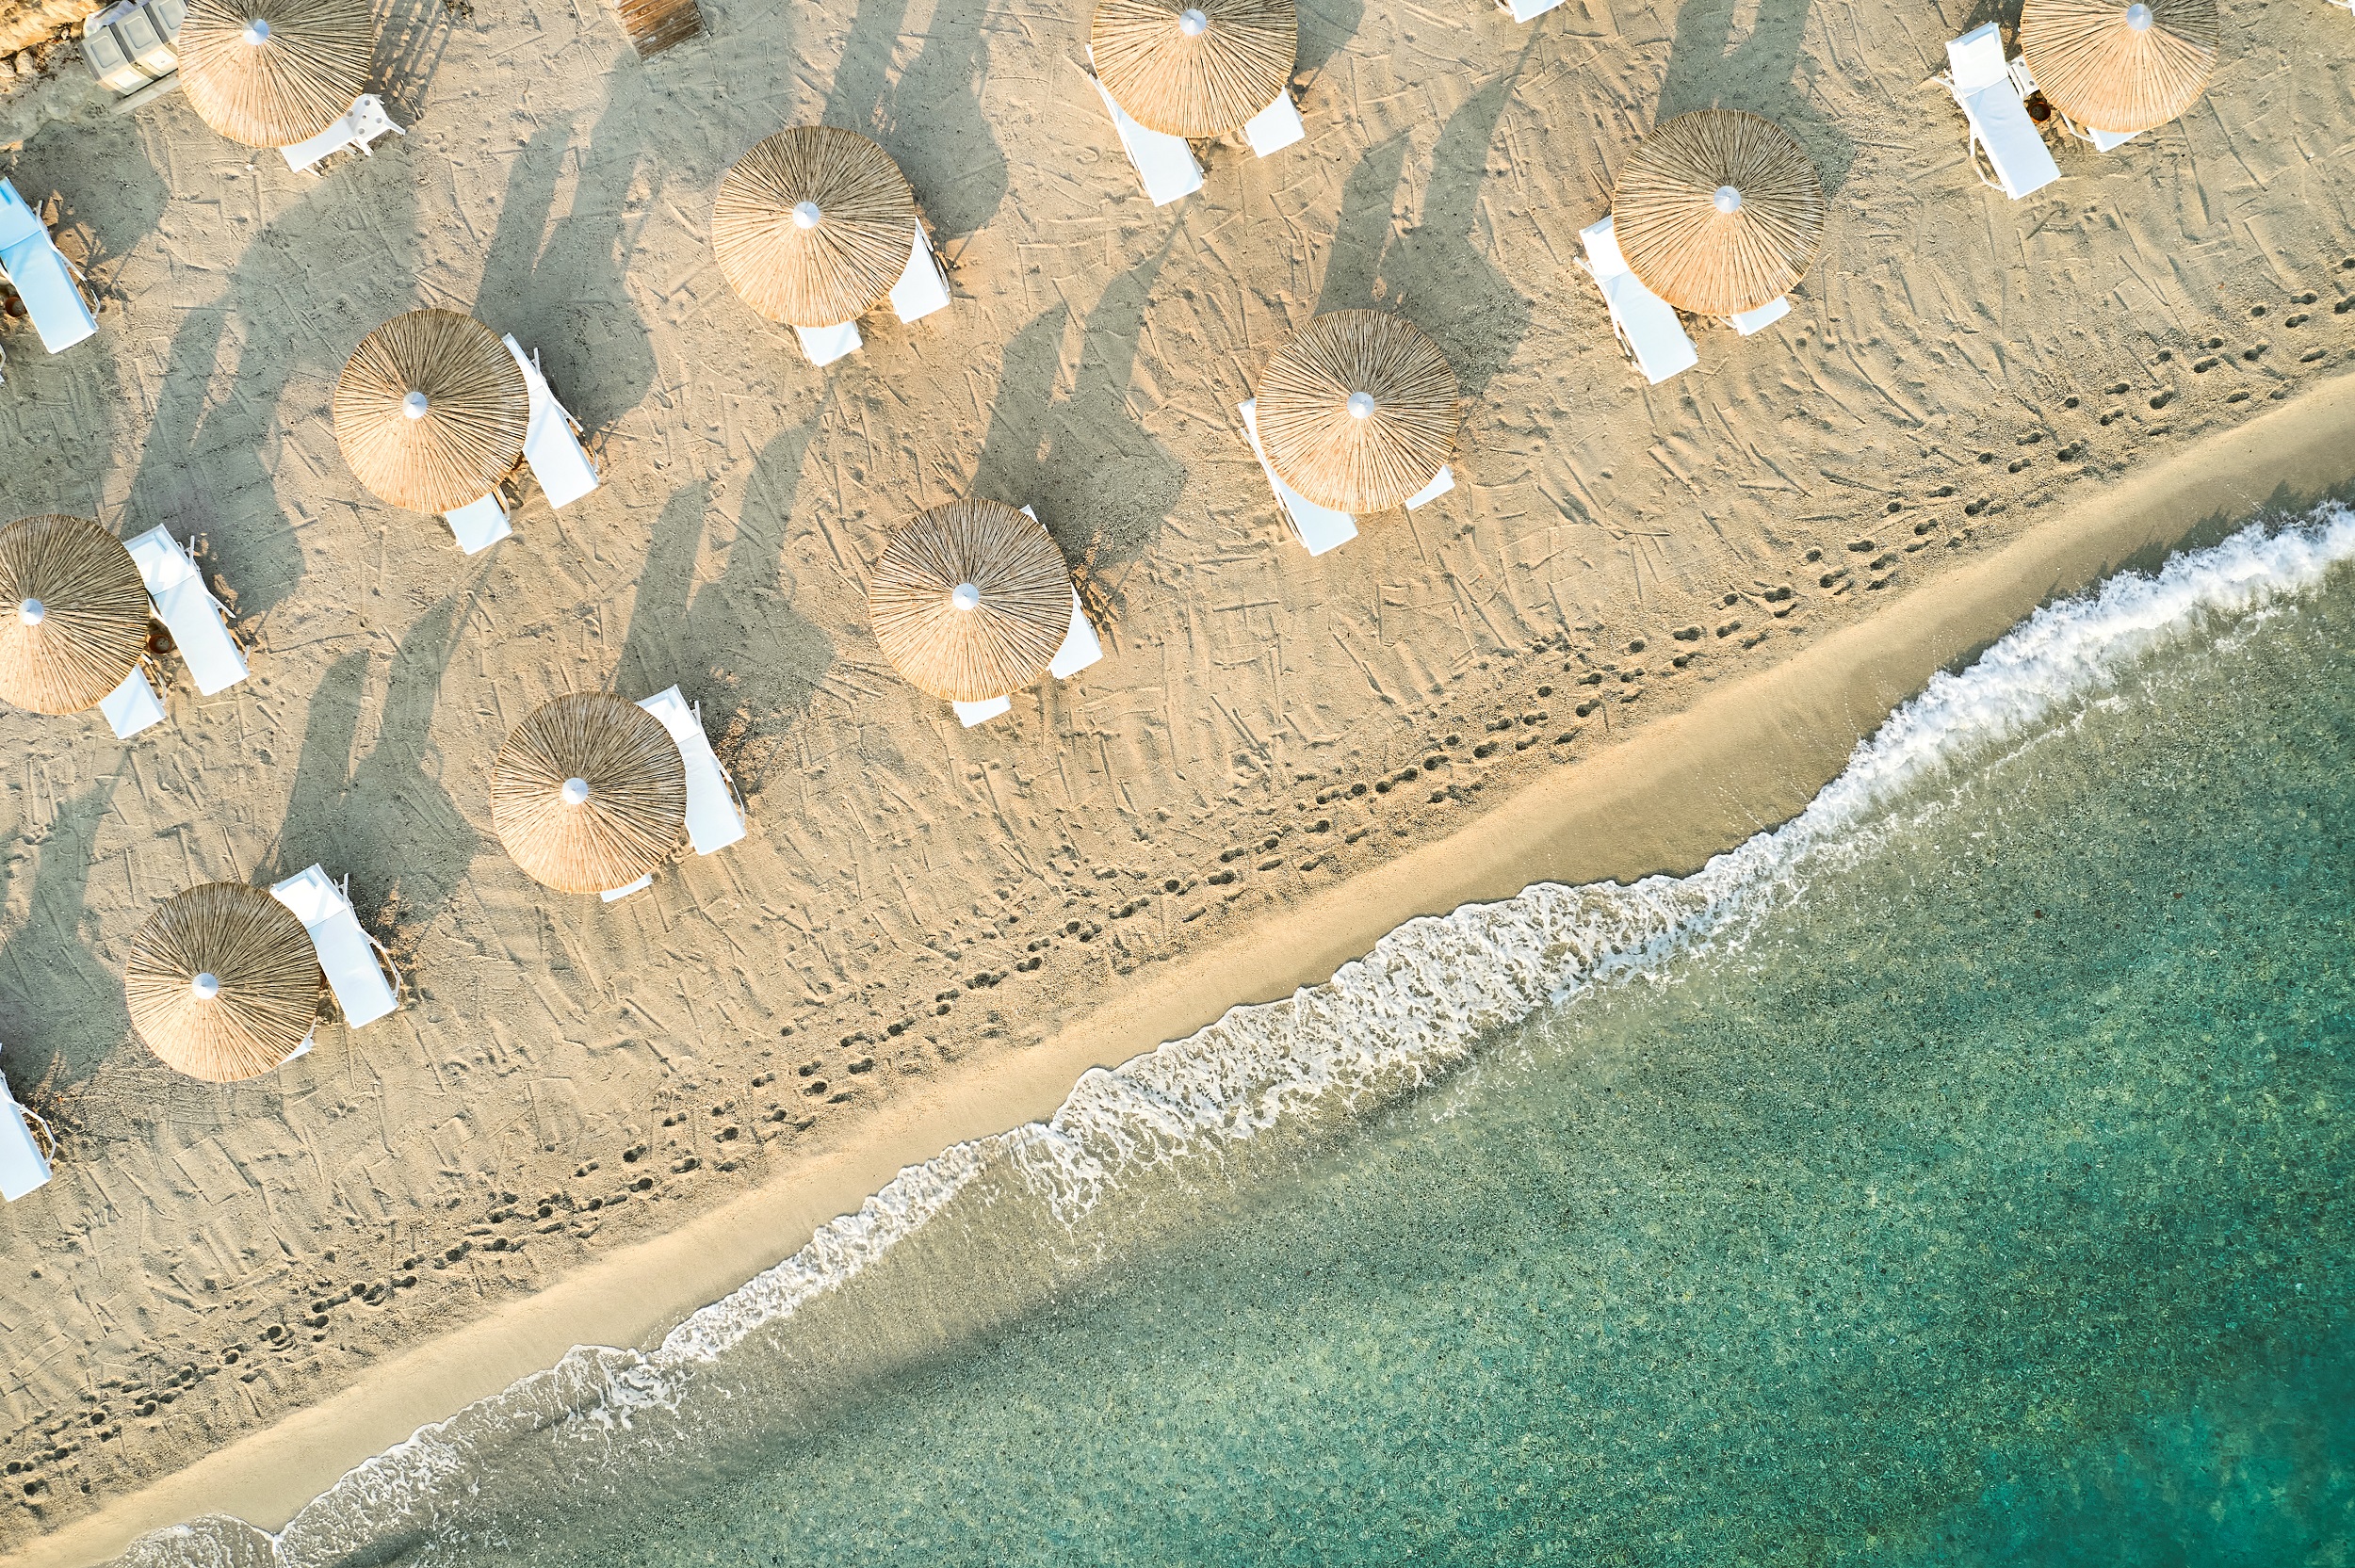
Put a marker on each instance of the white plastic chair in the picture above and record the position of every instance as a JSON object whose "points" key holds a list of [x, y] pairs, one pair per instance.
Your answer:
{"points": [[825, 345], [1320, 528], [920, 290], [23, 1166], [1992, 103], [349, 956], [1645, 323], [361, 125], [1162, 161], [1278, 127], [198, 622], [550, 443], [480, 524], [715, 817], [43, 279], [2023, 82], [133, 705]]}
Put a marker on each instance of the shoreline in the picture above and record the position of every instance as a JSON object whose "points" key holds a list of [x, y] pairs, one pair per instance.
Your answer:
{"points": [[1747, 755]]}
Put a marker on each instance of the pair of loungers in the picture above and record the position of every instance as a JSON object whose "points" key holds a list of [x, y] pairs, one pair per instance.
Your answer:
{"points": [[1166, 163], [1080, 648], [1321, 528], [919, 292], [551, 447], [715, 815], [1648, 325], [43, 279], [199, 627], [2008, 152]]}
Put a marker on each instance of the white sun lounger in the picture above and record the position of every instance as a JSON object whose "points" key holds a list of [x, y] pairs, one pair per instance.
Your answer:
{"points": [[480, 524], [920, 290], [2023, 83], [362, 124], [1765, 316], [1526, 10], [42, 277], [1162, 161], [1276, 127], [133, 705], [1645, 323], [184, 605], [23, 1166], [1321, 528], [825, 345], [1081, 647], [550, 446], [2001, 131], [714, 820], [347, 954]]}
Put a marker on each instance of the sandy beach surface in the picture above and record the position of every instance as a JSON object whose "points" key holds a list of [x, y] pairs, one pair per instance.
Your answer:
{"points": [[1645, 621]]}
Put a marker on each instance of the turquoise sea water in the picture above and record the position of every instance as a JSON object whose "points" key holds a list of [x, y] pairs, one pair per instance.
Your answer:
{"points": [[1957, 1175]]}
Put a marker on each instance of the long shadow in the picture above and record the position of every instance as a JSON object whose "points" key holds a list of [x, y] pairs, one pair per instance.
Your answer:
{"points": [[322, 771], [1762, 72], [1101, 485], [1325, 31], [1437, 272], [61, 1008], [931, 115], [567, 297], [109, 196]]}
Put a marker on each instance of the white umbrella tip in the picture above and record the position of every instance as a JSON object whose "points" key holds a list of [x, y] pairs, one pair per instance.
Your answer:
{"points": [[414, 404], [1361, 405], [807, 215], [1728, 200], [205, 986], [255, 31], [965, 596], [2139, 17], [32, 612], [1193, 21], [576, 792]]}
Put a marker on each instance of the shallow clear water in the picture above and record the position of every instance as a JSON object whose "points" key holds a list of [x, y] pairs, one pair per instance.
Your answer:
{"points": [[1958, 1179]]}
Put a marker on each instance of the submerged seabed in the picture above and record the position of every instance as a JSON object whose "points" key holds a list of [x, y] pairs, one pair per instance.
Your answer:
{"points": [[1972, 1193]]}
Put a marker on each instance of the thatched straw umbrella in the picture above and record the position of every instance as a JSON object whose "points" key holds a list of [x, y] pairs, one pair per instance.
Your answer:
{"points": [[589, 794], [430, 411], [1358, 412], [814, 225], [222, 983], [73, 613], [1194, 68], [1719, 212], [272, 72], [970, 601], [2113, 66]]}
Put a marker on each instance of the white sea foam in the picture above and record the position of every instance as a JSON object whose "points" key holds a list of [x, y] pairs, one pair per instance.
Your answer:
{"points": [[1418, 1005]]}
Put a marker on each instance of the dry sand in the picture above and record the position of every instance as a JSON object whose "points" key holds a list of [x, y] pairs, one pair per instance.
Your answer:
{"points": [[1974, 403]]}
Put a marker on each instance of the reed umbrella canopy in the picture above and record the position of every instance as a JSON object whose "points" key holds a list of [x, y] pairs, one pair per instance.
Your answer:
{"points": [[2119, 65], [272, 72], [1719, 212], [222, 983], [430, 411], [73, 613], [814, 225], [1194, 68], [589, 794], [970, 601], [1358, 412]]}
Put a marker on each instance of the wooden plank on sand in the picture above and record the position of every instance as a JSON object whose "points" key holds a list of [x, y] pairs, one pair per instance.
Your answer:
{"points": [[654, 25]]}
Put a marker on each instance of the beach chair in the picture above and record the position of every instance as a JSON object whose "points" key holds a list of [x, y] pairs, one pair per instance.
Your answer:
{"points": [[133, 705], [354, 963], [1320, 528], [480, 524], [825, 345], [920, 290], [1162, 161], [43, 277], [1080, 648], [1526, 10], [2023, 83], [361, 125], [2003, 138], [198, 622], [1645, 323], [1765, 316], [715, 815], [551, 445], [1278, 127], [23, 1164]]}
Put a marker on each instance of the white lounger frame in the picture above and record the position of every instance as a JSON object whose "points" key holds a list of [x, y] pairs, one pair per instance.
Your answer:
{"points": [[479, 525], [197, 620], [551, 438], [2003, 138], [23, 1166], [1647, 325], [43, 277], [361, 125], [920, 291], [715, 812], [1081, 647], [2103, 141], [354, 963]]}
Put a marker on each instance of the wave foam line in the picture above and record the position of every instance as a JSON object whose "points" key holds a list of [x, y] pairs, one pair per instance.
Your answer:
{"points": [[1415, 1006]]}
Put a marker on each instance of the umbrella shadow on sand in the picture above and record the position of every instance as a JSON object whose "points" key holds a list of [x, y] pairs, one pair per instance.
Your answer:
{"points": [[61, 1010], [1710, 69], [1434, 271], [929, 115]]}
